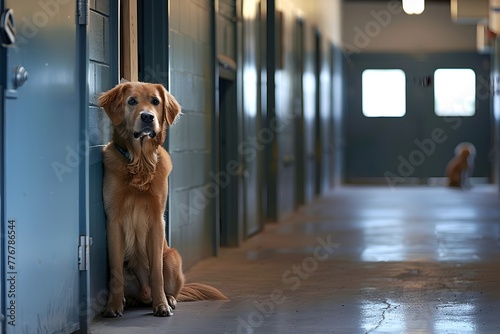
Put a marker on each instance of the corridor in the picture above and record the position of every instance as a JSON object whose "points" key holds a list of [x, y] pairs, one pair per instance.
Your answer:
{"points": [[359, 260]]}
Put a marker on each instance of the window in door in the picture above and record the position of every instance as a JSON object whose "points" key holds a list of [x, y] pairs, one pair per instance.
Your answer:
{"points": [[383, 93], [454, 92]]}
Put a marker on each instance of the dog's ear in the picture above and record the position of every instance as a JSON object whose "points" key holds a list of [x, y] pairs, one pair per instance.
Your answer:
{"points": [[171, 108], [112, 103]]}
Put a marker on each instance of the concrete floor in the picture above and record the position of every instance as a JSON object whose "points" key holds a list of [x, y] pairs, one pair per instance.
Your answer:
{"points": [[361, 260]]}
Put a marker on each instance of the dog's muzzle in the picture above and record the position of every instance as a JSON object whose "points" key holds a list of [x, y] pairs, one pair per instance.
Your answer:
{"points": [[147, 119]]}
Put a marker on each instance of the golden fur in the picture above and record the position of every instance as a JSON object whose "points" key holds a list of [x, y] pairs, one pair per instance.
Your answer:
{"points": [[135, 188], [460, 168]]}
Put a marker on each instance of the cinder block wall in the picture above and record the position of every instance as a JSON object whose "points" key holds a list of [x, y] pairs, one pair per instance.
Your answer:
{"points": [[191, 207], [102, 75]]}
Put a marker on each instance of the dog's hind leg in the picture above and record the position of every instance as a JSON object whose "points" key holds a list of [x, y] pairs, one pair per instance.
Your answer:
{"points": [[172, 274]]}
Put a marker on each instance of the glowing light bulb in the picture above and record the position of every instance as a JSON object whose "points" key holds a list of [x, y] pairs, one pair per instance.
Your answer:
{"points": [[413, 6]]}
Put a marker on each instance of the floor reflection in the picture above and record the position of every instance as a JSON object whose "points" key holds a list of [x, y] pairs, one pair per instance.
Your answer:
{"points": [[405, 239], [400, 316], [455, 317]]}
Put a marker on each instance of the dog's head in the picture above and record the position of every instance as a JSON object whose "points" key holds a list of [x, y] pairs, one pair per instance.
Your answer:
{"points": [[466, 151], [141, 110]]}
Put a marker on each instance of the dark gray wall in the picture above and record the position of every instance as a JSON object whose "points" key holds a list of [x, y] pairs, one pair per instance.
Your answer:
{"points": [[432, 31]]}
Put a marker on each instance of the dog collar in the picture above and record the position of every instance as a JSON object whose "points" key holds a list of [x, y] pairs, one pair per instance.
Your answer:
{"points": [[123, 152]]}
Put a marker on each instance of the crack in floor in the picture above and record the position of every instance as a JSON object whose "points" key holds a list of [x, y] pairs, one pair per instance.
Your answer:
{"points": [[384, 310]]}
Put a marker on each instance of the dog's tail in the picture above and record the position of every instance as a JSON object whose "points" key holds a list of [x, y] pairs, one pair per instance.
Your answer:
{"points": [[198, 291]]}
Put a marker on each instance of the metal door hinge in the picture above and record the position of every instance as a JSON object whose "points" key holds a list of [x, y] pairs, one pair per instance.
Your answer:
{"points": [[83, 12], [84, 252]]}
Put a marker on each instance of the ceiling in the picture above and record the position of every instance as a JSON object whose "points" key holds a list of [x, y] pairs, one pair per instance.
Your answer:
{"points": [[349, 1]]}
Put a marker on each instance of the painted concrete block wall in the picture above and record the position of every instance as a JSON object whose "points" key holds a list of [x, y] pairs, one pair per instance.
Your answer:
{"points": [[101, 77], [385, 27], [226, 34], [324, 15], [191, 204]]}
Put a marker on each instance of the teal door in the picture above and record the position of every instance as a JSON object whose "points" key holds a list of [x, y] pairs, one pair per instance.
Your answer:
{"points": [[43, 170], [252, 146], [438, 100]]}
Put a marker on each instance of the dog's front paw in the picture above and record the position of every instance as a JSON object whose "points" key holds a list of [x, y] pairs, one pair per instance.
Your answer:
{"points": [[110, 312], [171, 301], [114, 310], [162, 310]]}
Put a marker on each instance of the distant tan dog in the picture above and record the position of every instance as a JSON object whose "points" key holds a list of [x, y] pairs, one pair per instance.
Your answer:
{"points": [[135, 188], [460, 168]]}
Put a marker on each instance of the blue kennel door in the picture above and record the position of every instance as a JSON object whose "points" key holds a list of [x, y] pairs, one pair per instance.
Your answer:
{"points": [[43, 153]]}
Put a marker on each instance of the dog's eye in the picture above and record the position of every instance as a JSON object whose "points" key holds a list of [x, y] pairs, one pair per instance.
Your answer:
{"points": [[132, 102], [155, 101]]}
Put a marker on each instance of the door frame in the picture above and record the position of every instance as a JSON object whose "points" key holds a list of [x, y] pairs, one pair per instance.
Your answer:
{"points": [[318, 144], [230, 195], [227, 125], [84, 209], [300, 197], [252, 222]]}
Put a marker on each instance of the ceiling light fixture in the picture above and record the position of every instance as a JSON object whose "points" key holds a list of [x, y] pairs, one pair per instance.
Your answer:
{"points": [[413, 6]]}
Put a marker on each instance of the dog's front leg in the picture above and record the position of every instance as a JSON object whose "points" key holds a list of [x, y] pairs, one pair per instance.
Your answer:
{"points": [[116, 251], [155, 255]]}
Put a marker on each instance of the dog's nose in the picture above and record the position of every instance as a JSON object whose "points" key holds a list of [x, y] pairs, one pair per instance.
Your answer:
{"points": [[147, 117]]}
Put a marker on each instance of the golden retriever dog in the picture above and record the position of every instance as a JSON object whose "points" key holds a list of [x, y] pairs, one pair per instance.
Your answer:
{"points": [[135, 188], [460, 168]]}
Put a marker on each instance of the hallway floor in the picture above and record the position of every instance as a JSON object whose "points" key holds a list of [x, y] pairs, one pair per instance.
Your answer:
{"points": [[360, 260]]}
